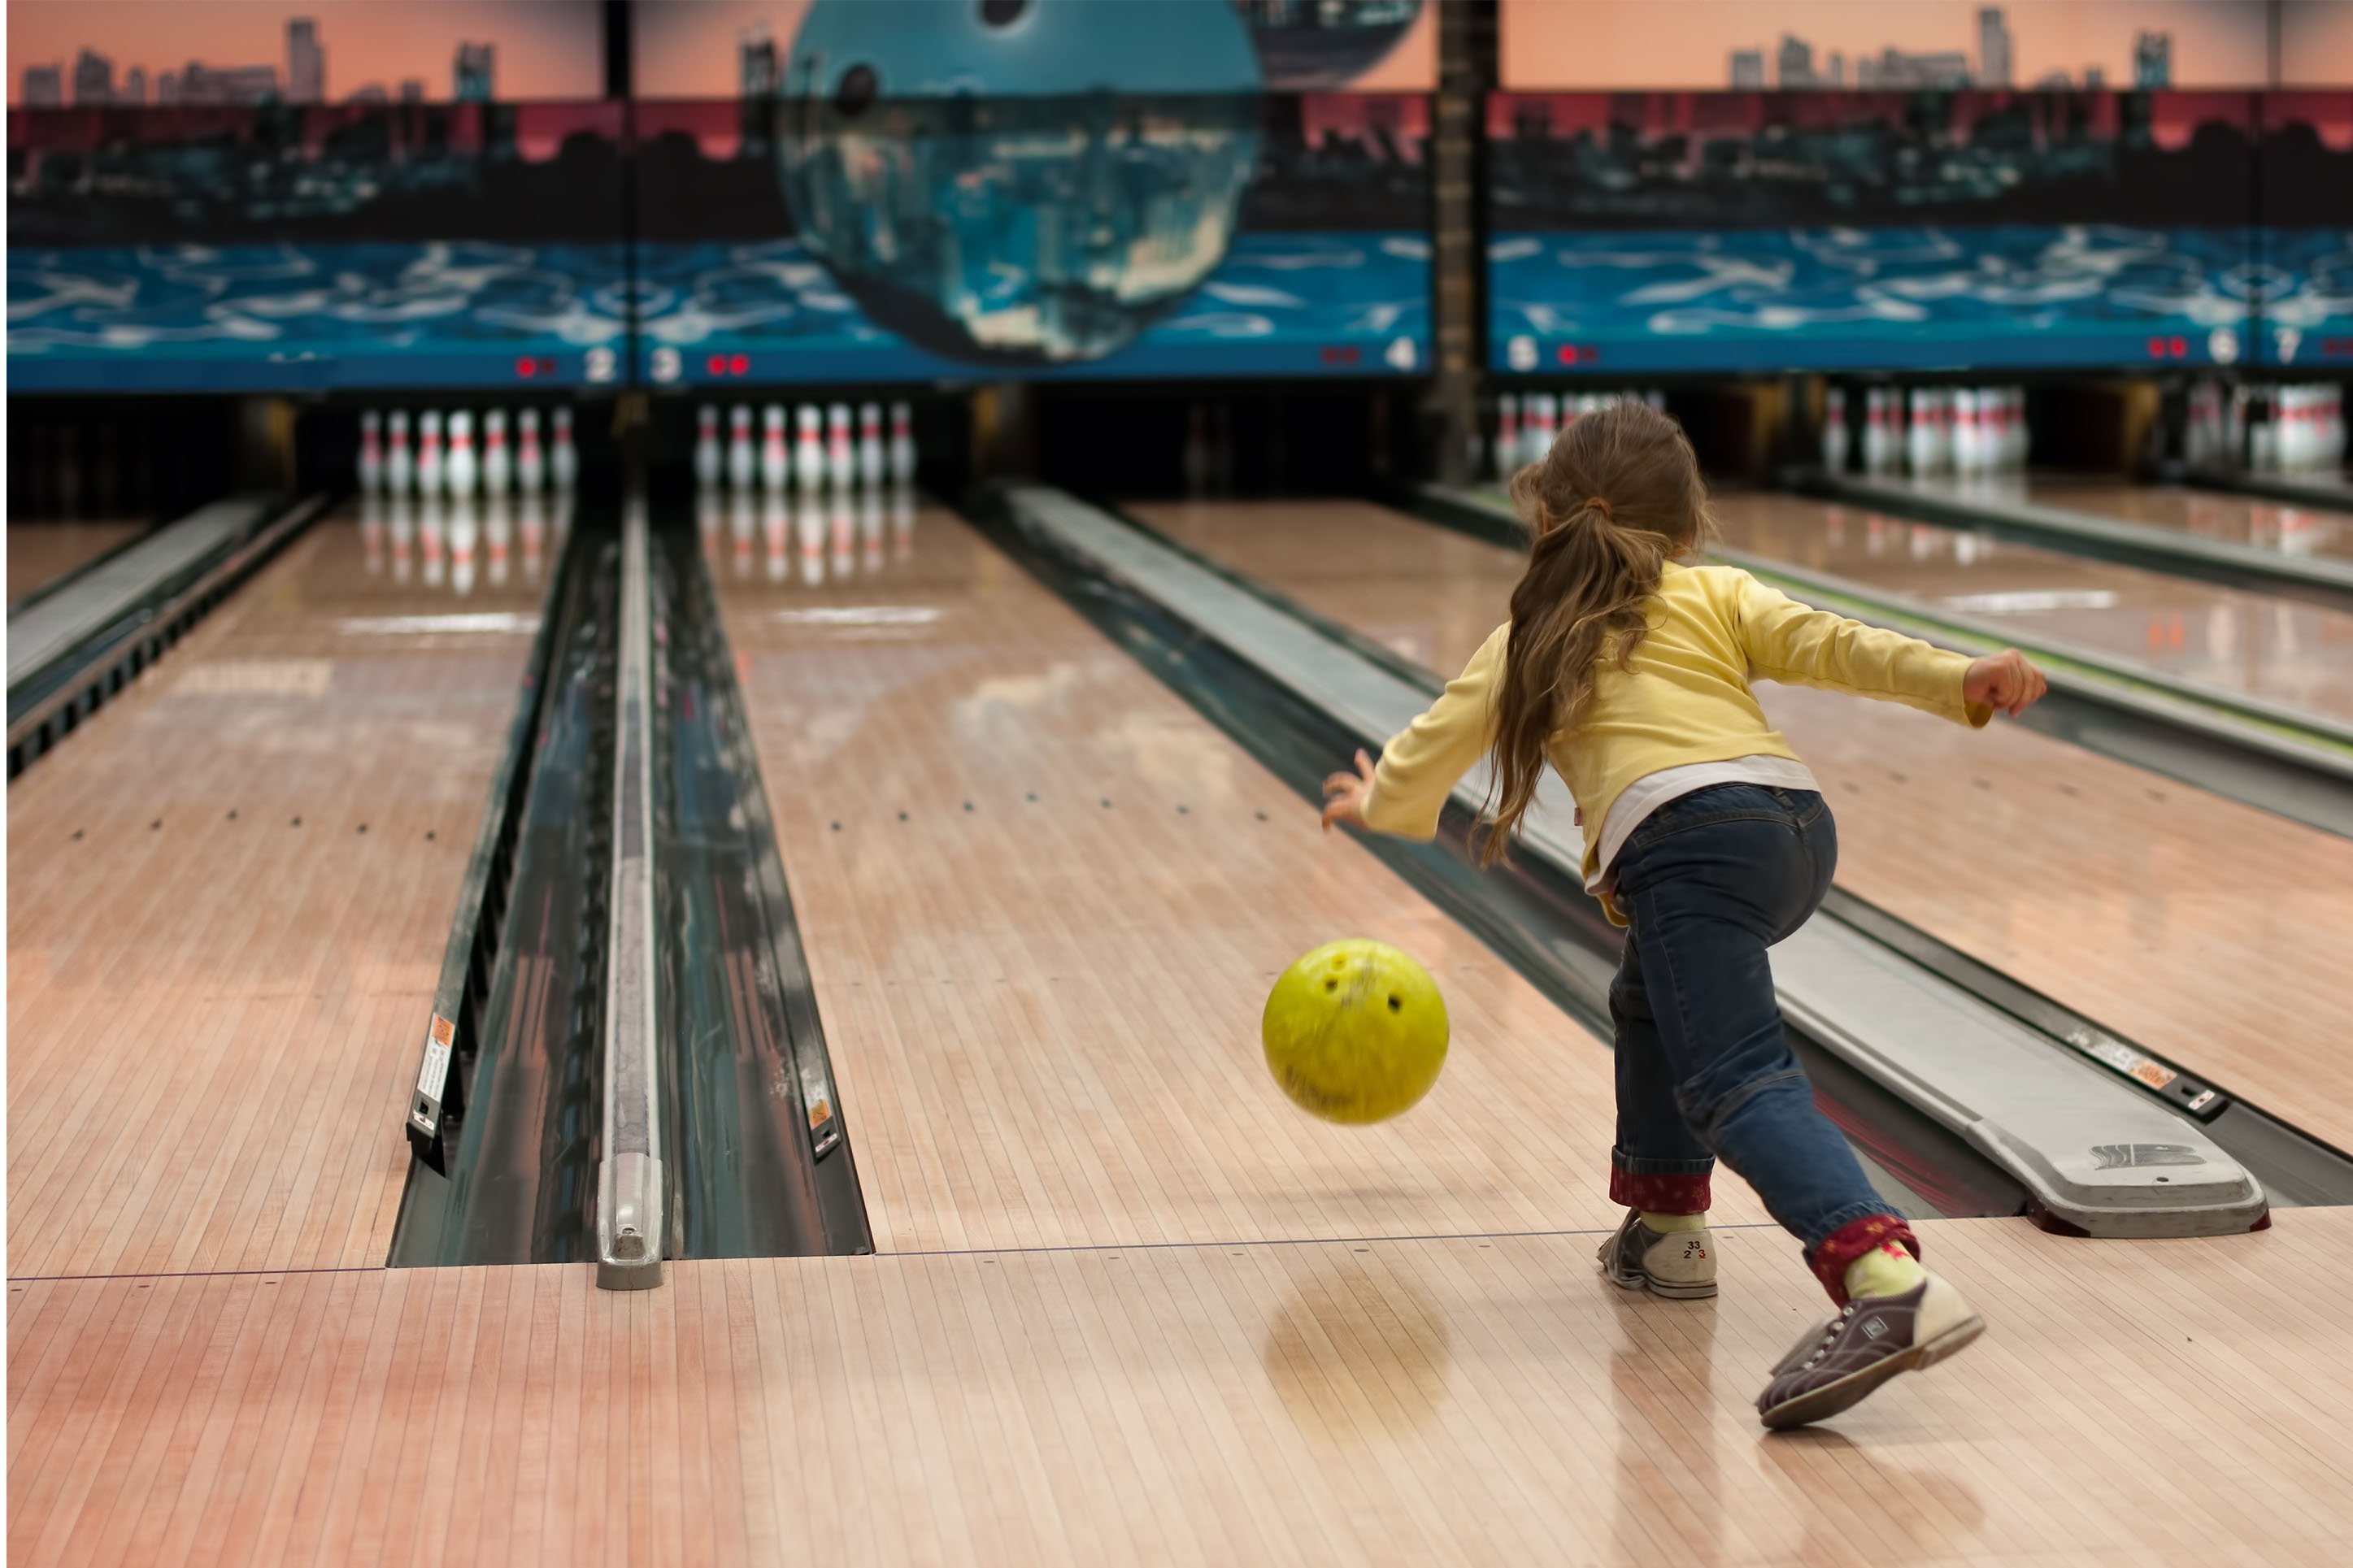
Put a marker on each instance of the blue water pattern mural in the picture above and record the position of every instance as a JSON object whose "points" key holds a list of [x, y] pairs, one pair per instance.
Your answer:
{"points": [[295, 316], [2085, 295], [2307, 297], [1278, 304]]}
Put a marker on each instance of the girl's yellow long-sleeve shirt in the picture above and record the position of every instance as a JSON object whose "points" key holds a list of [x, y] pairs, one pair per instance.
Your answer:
{"points": [[1683, 697]]}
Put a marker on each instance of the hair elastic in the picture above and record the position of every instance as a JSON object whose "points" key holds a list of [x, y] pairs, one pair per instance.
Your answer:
{"points": [[1595, 503]]}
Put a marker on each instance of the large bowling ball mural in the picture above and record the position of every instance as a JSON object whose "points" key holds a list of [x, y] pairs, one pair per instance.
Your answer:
{"points": [[1315, 45], [1018, 182]]}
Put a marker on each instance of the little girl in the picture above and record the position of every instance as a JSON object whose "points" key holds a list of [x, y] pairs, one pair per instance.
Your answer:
{"points": [[1628, 671]]}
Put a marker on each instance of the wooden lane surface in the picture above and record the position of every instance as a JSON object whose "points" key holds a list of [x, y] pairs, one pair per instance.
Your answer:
{"points": [[1459, 1401], [2283, 651], [1043, 901], [2214, 933], [228, 898], [41, 553], [2303, 530]]}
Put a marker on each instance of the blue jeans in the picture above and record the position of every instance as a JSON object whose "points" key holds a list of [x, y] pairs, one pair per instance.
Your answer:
{"points": [[1707, 883]]}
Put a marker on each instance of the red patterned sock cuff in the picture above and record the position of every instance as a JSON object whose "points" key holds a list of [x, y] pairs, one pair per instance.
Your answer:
{"points": [[1851, 1241], [1660, 1195]]}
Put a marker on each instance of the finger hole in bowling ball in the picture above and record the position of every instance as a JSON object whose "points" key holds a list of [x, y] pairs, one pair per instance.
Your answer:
{"points": [[856, 92], [1001, 13], [1396, 1006], [1331, 985]]}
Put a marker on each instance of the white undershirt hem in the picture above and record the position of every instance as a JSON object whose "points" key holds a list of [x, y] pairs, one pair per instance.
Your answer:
{"points": [[1649, 792]]}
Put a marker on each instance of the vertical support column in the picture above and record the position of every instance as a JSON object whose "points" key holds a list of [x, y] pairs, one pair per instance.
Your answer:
{"points": [[631, 1225], [1465, 52]]}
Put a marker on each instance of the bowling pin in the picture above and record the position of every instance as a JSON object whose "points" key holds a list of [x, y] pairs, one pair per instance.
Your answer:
{"points": [[497, 463], [1834, 438], [902, 444], [808, 455], [1537, 431], [429, 452], [460, 468], [1966, 447], [1507, 435], [531, 468], [399, 465], [775, 453], [742, 457], [841, 462], [1920, 439], [706, 446], [871, 454], [371, 452], [564, 463]]}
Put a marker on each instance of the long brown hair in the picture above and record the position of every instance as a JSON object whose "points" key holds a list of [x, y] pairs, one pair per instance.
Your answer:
{"points": [[1618, 496]]}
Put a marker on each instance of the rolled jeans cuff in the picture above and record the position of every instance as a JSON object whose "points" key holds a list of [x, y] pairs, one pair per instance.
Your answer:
{"points": [[1659, 1186]]}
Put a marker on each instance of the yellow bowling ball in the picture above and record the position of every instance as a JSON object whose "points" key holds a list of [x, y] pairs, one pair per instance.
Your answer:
{"points": [[1355, 1032]]}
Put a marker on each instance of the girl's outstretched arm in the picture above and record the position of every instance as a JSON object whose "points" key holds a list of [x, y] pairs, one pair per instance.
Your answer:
{"points": [[1423, 763]]}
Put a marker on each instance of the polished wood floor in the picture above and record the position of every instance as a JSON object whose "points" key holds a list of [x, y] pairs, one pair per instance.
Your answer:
{"points": [[2213, 934], [1469, 1401], [228, 897], [2284, 651], [2300, 530], [1043, 901], [1130, 1306], [41, 553]]}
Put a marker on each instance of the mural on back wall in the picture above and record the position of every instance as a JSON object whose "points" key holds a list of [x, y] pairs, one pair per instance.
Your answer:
{"points": [[286, 195], [1766, 231], [1030, 187], [1817, 184]]}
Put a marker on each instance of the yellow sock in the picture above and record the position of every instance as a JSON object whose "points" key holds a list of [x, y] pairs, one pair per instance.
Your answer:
{"points": [[1670, 1224], [1886, 1270]]}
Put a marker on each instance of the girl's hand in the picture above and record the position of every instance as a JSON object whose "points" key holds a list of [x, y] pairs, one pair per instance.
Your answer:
{"points": [[2005, 680], [1345, 795]]}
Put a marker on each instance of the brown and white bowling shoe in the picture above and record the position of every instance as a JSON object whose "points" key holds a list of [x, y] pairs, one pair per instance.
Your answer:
{"points": [[1875, 1338]]}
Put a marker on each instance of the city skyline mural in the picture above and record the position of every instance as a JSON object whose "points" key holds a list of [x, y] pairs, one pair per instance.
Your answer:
{"points": [[164, 53], [1856, 44], [1925, 230], [726, 49]]}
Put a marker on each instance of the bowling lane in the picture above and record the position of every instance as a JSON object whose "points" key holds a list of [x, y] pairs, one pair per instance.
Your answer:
{"points": [[41, 553], [1042, 901], [227, 896], [2212, 932], [2282, 650], [2300, 530]]}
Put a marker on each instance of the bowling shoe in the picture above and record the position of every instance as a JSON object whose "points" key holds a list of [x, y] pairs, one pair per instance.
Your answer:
{"points": [[1682, 1266], [1875, 1338]]}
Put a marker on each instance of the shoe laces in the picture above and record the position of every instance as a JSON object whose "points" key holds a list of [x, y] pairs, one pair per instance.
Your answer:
{"points": [[1831, 1333]]}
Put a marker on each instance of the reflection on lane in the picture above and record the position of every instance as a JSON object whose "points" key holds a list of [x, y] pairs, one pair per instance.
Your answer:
{"points": [[839, 536], [2310, 532], [2288, 652], [453, 543]]}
